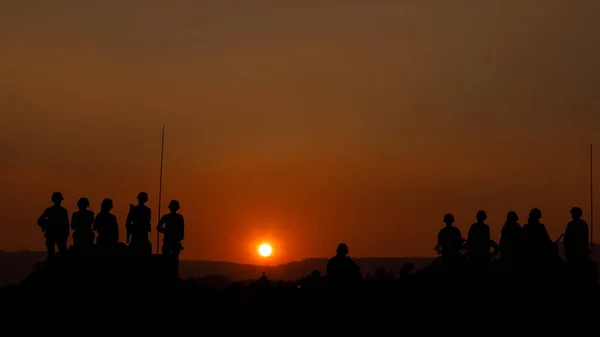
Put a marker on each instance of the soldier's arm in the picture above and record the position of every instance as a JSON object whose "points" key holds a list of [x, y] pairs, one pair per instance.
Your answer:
{"points": [[128, 222], [73, 221], [116, 223], [546, 235], [182, 227], [66, 226], [42, 220], [129, 218], [161, 222]]}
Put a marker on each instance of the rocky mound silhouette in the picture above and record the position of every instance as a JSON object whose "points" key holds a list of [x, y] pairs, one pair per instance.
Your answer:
{"points": [[15, 266]]}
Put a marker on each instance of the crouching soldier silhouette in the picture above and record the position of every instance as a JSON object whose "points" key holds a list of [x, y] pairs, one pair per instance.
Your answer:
{"points": [[81, 224], [138, 226], [54, 222], [342, 271], [172, 226]]}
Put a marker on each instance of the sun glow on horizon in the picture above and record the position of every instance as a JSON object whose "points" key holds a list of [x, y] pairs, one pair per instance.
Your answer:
{"points": [[265, 250]]}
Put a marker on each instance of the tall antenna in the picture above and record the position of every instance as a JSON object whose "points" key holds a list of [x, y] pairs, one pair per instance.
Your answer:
{"points": [[162, 148], [591, 201]]}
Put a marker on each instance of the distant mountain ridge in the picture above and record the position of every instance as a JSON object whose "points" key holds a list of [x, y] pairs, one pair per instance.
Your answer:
{"points": [[14, 266]]}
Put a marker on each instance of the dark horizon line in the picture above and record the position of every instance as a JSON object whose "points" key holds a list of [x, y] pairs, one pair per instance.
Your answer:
{"points": [[225, 261], [269, 265]]}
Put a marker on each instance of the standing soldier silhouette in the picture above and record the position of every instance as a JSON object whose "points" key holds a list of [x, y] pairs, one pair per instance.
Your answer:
{"points": [[138, 226], [54, 222], [450, 241], [479, 242], [81, 224], [538, 247], [106, 226], [576, 239], [172, 226], [511, 241]]}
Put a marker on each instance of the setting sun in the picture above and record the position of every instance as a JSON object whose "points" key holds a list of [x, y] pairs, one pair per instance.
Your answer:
{"points": [[265, 250]]}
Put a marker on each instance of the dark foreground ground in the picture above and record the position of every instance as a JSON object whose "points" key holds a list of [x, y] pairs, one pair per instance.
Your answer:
{"points": [[117, 293]]}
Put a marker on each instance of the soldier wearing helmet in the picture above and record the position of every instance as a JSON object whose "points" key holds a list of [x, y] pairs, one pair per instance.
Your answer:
{"points": [[479, 242], [54, 222], [511, 240], [106, 226], [538, 247], [342, 270], [138, 226], [576, 239], [172, 226], [450, 240], [81, 224]]}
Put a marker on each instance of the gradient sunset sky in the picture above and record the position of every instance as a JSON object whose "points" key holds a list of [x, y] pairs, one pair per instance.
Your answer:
{"points": [[303, 123]]}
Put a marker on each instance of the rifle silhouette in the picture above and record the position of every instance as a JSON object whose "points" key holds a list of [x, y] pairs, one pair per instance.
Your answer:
{"points": [[495, 246]]}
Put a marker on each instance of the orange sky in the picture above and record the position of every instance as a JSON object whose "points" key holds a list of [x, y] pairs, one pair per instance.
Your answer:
{"points": [[303, 123]]}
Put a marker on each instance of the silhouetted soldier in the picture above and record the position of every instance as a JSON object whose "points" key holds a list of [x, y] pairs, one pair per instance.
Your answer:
{"points": [[138, 226], [342, 270], [81, 224], [479, 242], [450, 241], [172, 225], [538, 247], [54, 222], [511, 240], [576, 239], [106, 226]]}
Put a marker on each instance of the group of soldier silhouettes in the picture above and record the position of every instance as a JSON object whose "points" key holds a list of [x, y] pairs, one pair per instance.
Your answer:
{"points": [[104, 228], [526, 248], [520, 246]]}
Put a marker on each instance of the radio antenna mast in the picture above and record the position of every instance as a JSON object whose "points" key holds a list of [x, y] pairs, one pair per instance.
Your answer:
{"points": [[162, 148], [591, 200]]}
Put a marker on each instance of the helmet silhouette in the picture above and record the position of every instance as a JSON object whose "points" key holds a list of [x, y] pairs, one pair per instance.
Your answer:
{"points": [[83, 203], [448, 218], [142, 197], [342, 249], [174, 205], [107, 204], [535, 214], [576, 211], [481, 215], [57, 196], [512, 216]]}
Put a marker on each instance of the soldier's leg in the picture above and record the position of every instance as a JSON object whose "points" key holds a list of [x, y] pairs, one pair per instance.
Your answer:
{"points": [[62, 247], [175, 258], [50, 247]]}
